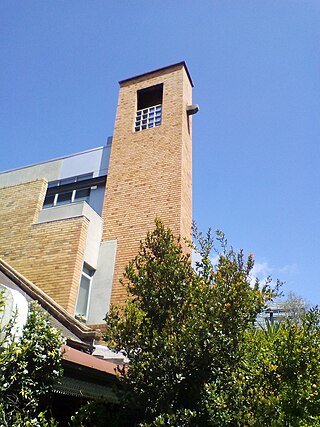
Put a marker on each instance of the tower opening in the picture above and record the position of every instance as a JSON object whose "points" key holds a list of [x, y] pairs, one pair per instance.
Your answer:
{"points": [[149, 107]]}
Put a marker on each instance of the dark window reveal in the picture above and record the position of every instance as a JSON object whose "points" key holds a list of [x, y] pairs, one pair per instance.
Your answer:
{"points": [[149, 112], [150, 96]]}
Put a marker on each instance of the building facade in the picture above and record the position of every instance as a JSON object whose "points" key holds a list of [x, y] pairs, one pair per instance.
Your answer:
{"points": [[70, 225]]}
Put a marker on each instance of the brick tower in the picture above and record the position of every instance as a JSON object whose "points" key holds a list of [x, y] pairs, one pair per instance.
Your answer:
{"points": [[151, 163]]}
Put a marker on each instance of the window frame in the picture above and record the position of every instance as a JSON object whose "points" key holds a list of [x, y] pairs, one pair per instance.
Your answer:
{"points": [[87, 273], [72, 199], [148, 118], [82, 182]]}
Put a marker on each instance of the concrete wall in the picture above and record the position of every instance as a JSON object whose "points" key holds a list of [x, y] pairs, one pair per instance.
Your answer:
{"points": [[97, 198], [95, 160], [102, 283], [51, 171]]}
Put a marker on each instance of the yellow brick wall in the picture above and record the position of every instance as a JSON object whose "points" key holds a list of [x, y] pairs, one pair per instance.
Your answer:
{"points": [[49, 254], [150, 171], [186, 164]]}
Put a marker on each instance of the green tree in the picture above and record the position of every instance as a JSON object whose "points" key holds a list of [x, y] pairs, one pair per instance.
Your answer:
{"points": [[28, 368], [183, 330], [295, 306], [280, 374]]}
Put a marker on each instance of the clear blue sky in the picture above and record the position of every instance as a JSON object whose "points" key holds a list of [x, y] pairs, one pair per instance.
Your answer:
{"points": [[256, 69]]}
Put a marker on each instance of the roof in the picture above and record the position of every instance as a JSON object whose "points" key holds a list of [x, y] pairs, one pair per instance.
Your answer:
{"points": [[85, 375], [88, 361], [79, 388], [182, 63]]}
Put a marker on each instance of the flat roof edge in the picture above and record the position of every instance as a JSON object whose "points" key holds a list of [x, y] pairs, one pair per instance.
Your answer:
{"points": [[183, 63], [54, 159]]}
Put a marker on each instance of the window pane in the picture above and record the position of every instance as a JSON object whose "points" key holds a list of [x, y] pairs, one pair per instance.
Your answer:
{"points": [[64, 198], [48, 201], [53, 184], [150, 118], [87, 270], [82, 194], [83, 297], [85, 176], [67, 180]]}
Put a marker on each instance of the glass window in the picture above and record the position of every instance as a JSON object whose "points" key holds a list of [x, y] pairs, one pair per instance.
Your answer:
{"points": [[84, 176], [53, 184], [149, 118], [84, 292], [67, 180], [49, 201], [87, 270], [82, 195], [64, 198], [83, 296], [78, 190]]}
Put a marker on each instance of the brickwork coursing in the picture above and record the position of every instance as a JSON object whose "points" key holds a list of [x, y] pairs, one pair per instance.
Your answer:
{"points": [[150, 171], [49, 254], [149, 176]]}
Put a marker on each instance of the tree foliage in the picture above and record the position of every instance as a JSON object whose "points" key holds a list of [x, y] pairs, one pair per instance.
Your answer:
{"points": [[184, 331], [280, 374], [29, 366], [295, 307]]}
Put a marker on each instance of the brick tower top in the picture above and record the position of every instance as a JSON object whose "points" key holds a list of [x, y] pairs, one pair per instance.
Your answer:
{"points": [[163, 70], [150, 171]]}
